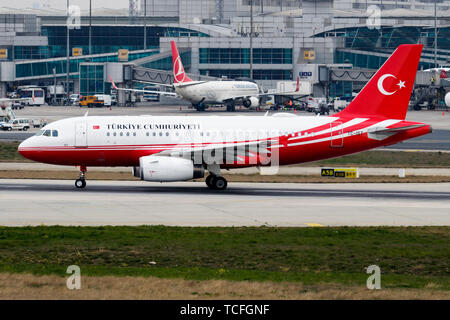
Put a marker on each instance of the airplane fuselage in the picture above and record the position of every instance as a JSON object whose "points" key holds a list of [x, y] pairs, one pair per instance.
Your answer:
{"points": [[122, 141], [216, 92]]}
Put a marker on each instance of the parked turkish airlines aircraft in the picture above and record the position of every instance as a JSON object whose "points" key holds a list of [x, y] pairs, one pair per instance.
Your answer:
{"points": [[177, 148], [201, 93]]}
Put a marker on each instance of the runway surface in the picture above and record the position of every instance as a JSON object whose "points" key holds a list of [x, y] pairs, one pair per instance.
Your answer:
{"points": [[49, 202]]}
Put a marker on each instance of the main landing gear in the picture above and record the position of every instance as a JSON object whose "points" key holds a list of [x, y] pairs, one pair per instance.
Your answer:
{"points": [[216, 183], [80, 183]]}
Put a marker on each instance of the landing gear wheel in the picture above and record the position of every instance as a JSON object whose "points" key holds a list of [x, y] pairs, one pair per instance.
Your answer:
{"points": [[218, 183], [208, 181], [231, 108], [80, 183]]}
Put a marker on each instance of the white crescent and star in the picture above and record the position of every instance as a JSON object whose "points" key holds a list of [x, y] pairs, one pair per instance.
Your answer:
{"points": [[400, 84], [179, 70]]}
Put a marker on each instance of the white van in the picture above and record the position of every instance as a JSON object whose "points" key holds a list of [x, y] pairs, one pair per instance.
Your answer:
{"points": [[17, 124], [106, 98]]}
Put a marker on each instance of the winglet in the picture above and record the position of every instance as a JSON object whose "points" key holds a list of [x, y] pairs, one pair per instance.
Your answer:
{"points": [[112, 82], [297, 88]]}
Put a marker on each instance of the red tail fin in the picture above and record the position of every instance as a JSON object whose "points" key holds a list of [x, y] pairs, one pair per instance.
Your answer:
{"points": [[387, 94], [297, 87], [178, 70]]}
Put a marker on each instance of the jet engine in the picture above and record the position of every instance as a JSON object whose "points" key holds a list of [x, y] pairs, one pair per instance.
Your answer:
{"points": [[166, 169], [447, 99], [251, 102]]}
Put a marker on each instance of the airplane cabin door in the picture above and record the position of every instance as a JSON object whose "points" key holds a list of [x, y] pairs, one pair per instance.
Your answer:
{"points": [[337, 137], [81, 134]]}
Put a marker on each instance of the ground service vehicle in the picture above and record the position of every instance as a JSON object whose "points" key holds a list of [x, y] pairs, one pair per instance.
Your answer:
{"points": [[90, 102], [31, 95], [17, 124], [107, 101]]}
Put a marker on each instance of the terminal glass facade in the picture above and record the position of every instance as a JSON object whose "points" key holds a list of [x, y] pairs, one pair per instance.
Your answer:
{"points": [[242, 55], [45, 68], [167, 64], [257, 74], [91, 79], [107, 39]]}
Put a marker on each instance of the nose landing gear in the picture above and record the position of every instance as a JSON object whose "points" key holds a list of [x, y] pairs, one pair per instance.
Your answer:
{"points": [[80, 183]]}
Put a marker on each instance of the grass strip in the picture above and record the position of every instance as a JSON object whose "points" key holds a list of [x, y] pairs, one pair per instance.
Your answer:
{"points": [[409, 257]]}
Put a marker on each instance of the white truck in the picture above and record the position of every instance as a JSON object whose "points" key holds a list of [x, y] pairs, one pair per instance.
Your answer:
{"points": [[106, 98], [339, 104], [288, 88]]}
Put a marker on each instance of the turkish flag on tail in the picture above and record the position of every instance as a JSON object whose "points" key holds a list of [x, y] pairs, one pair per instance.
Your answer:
{"points": [[387, 93]]}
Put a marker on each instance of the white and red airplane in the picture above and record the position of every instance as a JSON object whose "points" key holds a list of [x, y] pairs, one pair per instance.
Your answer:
{"points": [[179, 148], [202, 93]]}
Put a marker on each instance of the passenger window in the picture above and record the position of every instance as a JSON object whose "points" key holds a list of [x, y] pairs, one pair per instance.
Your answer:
{"points": [[160, 134], [148, 134], [55, 133], [134, 134], [107, 134], [47, 133], [167, 134], [121, 134], [154, 134], [128, 134], [114, 134]]}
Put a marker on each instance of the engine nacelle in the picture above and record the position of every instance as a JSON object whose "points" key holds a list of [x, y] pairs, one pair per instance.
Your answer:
{"points": [[447, 99], [251, 102], [166, 169]]}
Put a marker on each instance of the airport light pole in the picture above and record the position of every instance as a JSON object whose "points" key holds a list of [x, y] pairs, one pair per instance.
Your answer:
{"points": [[145, 24], [67, 52], [251, 39], [435, 34], [54, 86], [90, 27]]}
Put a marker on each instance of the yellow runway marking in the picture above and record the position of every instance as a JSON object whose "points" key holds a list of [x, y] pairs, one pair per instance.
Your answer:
{"points": [[314, 225]]}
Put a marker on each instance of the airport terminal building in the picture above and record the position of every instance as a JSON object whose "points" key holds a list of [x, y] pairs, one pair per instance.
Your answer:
{"points": [[313, 39]]}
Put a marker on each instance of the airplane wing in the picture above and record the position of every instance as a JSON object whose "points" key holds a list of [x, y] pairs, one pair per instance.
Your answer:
{"points": [[236, 153], [162, 93], [155, 83]]}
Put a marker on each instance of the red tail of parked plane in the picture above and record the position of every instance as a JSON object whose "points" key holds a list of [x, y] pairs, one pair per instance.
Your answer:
{"points": [[178, 70], [387, 94]]}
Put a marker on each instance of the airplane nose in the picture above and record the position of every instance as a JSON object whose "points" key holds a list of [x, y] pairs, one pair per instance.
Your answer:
{"points": [[25, 149]]}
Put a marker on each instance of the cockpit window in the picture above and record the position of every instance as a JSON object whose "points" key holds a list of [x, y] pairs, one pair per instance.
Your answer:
{"points": [[40, 132], [48, 133], [55, 133]]}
